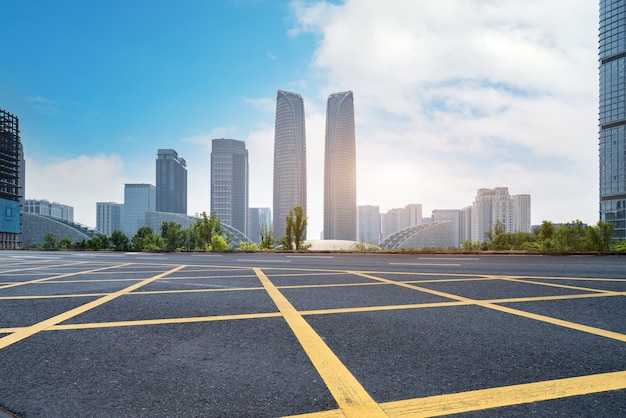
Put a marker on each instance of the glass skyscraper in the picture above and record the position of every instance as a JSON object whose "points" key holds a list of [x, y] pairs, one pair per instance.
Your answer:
{"points": [[289, 158], [229, 182], [612, 114], [171, 182], [340, 212], [139, 198]]}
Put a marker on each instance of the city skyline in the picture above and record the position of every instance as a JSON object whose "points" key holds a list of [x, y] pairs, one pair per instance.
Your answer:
{"points": [[452, 95]]}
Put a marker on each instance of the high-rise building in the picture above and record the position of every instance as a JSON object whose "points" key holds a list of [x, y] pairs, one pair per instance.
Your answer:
{"points": [[109, 217], [521, 213], [11, 182], [397, 219], [229, 182], [340, 168], [139, 198], [465, 224], [259, 219], [454, 217], [612, 114], [171, 182], [369, 224], [289, 158], [496, 205], [52, 209]]}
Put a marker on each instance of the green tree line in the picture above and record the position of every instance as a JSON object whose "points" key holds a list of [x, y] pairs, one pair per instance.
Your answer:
{"points": [[206, 234], [564, 238]]}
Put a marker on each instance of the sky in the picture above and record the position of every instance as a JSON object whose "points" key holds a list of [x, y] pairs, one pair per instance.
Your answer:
{"points": [[450, 96]]}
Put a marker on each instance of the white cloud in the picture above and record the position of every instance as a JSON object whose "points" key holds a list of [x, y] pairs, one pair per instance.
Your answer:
{"points": [[455, 95], [78, 182]]}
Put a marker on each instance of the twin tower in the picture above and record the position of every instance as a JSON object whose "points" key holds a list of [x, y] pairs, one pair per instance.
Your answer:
{"points": [[340, 211]]}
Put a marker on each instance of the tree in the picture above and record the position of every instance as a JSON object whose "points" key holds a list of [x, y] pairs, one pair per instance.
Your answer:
{"points": [[295, 229], [144, 239], [206, 228], [172, 235], [267, 240], [65, 243], [218, 243], [120, 241], [50, 241]]}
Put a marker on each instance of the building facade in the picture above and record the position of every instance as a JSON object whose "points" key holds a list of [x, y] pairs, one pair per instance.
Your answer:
{"points": [[397, 219], [46, 208], [496, 205], [171, 182], [11, 182], [139, 198], [109, 217], [290, 187], [612, 114], [229, 182], [521, 213], [369, 224], [340, 211], [259, 219], [454, 217]]}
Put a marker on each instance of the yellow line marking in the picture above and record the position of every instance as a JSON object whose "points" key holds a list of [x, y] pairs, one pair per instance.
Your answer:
{"points": [[505, 396], [351, 397], [36, 328], [482, 399], [60, 276], [489, 305]]}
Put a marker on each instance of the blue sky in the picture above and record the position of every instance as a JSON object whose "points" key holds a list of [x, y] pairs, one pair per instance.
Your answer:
{"points": [[450, 96]]}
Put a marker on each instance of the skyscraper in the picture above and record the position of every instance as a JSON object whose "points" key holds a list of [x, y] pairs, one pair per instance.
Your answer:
{"points": [[11, 183], [369, 224], [229, 182], [171, 182], [289, 158], [138, 199], [612, 114], [109, 217], [493, 205], [340, 168]]}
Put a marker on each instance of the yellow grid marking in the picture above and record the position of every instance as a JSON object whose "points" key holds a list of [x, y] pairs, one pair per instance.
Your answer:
{"points": [[496, 307], [60, 276], [36, 328], [351, 397]]}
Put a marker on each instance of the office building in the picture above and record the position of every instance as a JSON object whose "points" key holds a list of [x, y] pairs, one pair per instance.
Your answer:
{"points": [[368, 224], [109, 217], [259, 219], [171, 182], [229, 182], [612, 114], [340, 211], [46, 208], [289, 159], [139, 198], [11, 182]]}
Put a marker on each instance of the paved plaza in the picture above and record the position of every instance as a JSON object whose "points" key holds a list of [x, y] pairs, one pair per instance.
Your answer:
{"points": [[316, 335]]}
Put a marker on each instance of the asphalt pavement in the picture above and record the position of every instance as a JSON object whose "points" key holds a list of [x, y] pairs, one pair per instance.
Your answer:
{"points": [[101, 334]]}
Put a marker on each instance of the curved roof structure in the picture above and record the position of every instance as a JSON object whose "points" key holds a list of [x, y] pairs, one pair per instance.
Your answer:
{"points": [[430, 235], [35, 227]]}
